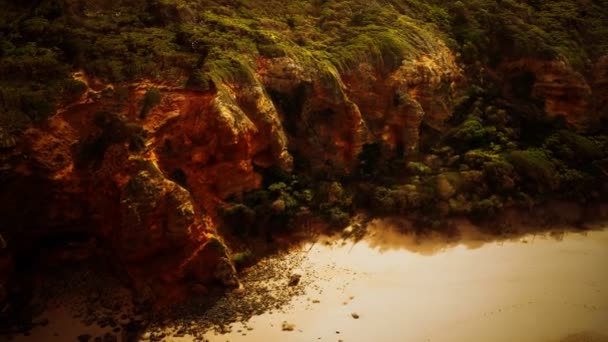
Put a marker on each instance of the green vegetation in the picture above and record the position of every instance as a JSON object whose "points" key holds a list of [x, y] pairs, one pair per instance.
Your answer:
{"points": [[284, 200], [537, 166], [573, 148], [242, 259], [487, 31], [494, 157], [199, 43], [496, 152]]}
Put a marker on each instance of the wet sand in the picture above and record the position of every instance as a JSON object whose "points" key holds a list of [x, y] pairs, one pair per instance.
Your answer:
{"points": [[396, 287], [535, 288]]}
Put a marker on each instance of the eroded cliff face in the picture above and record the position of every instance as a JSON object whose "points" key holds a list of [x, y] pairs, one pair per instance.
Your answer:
{"points": [[561, 90], [394, 107], [330, 116], [91, 171], [145, 184], [184, 102]]}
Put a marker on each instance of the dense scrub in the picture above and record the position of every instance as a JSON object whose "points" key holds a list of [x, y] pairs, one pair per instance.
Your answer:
{"points": [[494, 157], [286, 199], [495, 154], [195, 43]]}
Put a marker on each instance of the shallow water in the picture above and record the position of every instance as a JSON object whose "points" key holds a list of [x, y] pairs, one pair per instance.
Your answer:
{"points": [[546, 287], [534, 288]]}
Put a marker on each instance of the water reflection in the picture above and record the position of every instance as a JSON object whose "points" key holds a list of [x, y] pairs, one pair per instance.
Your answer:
{"points": [[396, 234], [549, 286], [529, 285]]}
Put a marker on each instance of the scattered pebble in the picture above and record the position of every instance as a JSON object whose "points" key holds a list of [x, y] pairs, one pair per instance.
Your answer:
{"points": [[294, 279], [98, 299], [287, 326]]}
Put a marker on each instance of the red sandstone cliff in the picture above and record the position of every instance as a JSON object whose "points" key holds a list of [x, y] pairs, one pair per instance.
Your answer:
{"points": [[147, 186], [562, 90]]}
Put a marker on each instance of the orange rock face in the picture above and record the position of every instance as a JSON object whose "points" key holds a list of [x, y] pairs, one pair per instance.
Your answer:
{"points": [[329, 116], [97, 167], [147, 184], [562, 90], [394, 107]]}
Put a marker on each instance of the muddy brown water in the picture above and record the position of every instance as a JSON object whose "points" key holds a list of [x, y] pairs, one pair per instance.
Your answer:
{"points": [[394, 287]]}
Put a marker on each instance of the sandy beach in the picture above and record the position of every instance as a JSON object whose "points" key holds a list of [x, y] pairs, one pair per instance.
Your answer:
{"points": [[393, 286]]}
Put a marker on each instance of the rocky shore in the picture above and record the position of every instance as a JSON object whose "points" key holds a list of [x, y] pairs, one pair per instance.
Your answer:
{"points": [[86, 304], [101, 308]]}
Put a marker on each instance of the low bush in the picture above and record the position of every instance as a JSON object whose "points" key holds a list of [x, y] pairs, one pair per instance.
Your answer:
{"points": [[536, 168]]}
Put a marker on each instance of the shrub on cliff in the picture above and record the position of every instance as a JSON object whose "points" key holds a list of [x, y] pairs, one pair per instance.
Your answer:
{"points": [[334, 203], [500, 175], [382, 201], [283, 199], [573, 148], [475, 159], [536, 168], [417, 168], [271, 50], [397, 200], [475, 133], [488, 31], [577, 185], [337, 217], [487, 207], [199, 81]]}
